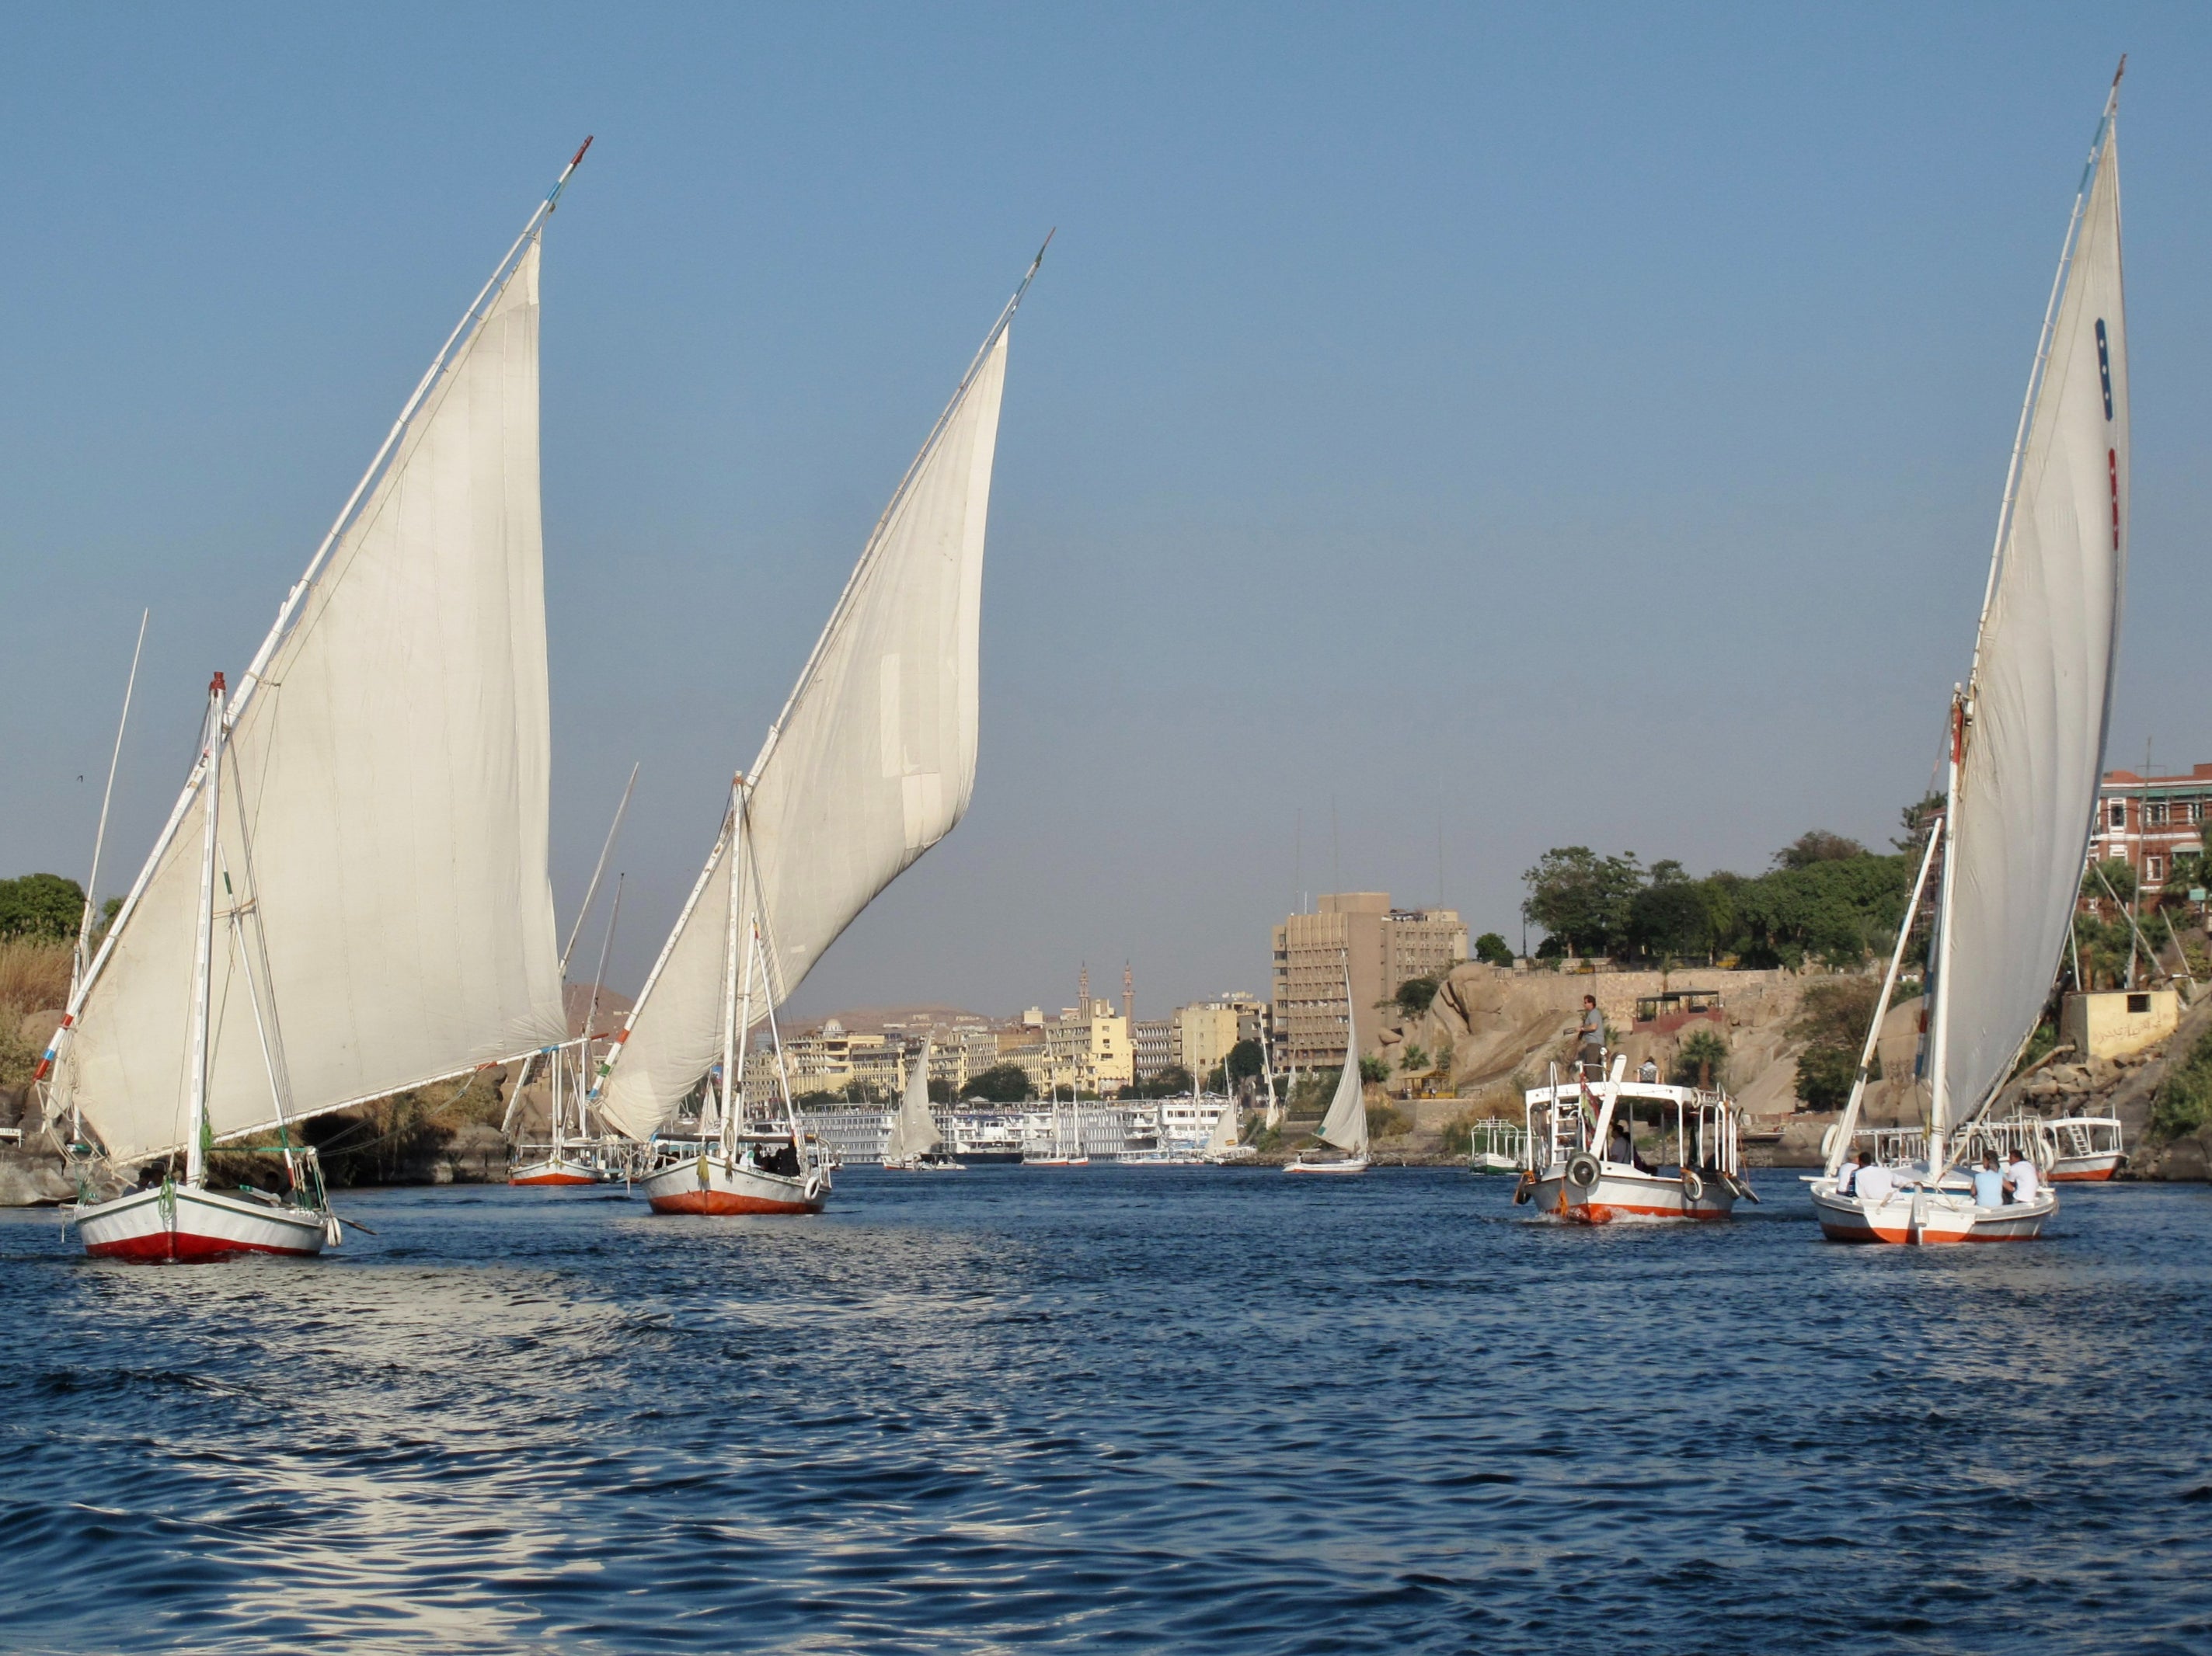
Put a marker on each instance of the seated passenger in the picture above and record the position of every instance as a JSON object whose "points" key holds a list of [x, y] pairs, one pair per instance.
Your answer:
{"points": [[2021, 1179], [1648, 1072], [1988, 1183], [1623, 1147], [1874, 1182], [1847, 1181]]}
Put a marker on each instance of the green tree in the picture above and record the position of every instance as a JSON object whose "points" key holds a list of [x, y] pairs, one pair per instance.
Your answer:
{"points": [[1700, 1061], [1244, 1061], [941, 1090], [1581, 898], [1832, 1021], [1375, 1068], [1414, 996], [2185, 1096], [2118, 874], [1493, 950], [1002, 1083], [48, 906], [1817, 845]]}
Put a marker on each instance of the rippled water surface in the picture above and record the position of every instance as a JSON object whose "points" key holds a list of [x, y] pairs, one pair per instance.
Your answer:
{"points": [[1143, 1409]]}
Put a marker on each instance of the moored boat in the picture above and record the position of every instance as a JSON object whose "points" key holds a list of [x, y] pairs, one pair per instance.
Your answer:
{"points": [[913, 1145]]}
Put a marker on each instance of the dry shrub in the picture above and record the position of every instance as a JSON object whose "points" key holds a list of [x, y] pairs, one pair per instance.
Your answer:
{"points": [[34, 977]]}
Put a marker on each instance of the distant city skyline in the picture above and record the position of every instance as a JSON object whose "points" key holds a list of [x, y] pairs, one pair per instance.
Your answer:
{"points": [[1531, 430]]}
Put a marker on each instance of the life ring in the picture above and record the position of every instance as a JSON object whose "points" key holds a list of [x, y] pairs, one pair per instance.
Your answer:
{"points": [[1828, 1140], [817, 1185], [1583, 1169], [1693, 1188], [1524, 1187]]}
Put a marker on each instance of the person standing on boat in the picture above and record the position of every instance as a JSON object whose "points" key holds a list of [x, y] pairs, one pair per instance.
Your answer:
{"points": [[1988, 1183], [2021, 1179], [1590, 1039]]}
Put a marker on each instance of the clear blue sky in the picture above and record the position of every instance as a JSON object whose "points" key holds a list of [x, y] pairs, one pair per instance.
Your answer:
{"points": [[1581, 425]]}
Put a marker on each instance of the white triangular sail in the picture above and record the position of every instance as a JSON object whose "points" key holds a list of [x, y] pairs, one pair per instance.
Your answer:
{"points": [[2036, 710], [1346, 1124], [385, 800], [871, 764], [914, 1130], [1223, 1136]]}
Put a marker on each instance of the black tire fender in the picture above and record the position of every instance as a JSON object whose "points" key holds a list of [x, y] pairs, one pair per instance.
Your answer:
{"points": [[1524, 1188], [1583, 1170], [1693, 1188]]}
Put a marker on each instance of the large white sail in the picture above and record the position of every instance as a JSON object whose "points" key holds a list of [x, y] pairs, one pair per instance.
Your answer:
{"points": [[871, 764], [2030, 737], [385, 801]]}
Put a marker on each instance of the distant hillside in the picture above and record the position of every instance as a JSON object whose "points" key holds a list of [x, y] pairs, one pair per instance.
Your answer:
{"points": [[614, 1006]]}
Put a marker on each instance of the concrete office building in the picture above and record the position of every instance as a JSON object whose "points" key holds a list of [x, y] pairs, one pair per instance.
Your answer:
{"points": [[1356, 933]]}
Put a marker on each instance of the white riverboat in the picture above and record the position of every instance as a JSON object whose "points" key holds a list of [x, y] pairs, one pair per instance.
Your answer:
{"points": [[1600, 1151]]}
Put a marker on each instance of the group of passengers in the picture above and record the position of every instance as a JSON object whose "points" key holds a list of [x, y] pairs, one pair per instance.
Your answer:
{"points": [[1994, 1185]]}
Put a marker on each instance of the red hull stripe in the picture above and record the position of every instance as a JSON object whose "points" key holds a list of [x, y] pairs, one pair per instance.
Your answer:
{"points": [[713, 1201], [2094, 1174], [166, 1247], [554, 1179], [1599, 1213]]}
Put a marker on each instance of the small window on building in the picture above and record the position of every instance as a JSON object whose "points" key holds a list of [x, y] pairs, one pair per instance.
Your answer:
{"points": [[2119, 814], [2158, 813], [2153, 869], [2138, 1003]]}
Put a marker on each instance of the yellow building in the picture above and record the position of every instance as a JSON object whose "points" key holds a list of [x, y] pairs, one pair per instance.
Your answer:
{"points": [[2111, 1022], [1201, 1035]]}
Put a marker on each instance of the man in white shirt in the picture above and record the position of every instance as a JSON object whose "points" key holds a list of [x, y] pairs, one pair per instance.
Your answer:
{"points": [[1874, 1182], [2022, 1179]]}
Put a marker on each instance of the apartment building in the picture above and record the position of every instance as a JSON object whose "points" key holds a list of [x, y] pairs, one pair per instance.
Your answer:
{"points": [[1355, 935], [2148, 821]]}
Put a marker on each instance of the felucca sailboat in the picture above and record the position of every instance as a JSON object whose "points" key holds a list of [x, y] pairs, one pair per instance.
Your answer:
{"points": [[914, 1145], [2027, 740], [1345, 1126], [351, 896], [870, 764]]}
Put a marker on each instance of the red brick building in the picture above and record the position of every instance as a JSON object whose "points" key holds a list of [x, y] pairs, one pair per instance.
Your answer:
{"points": [[2146, 821]]}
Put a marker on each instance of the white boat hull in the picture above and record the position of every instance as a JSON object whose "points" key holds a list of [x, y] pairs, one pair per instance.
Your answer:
{"points": [[1625, 1192], [702, 1185], [555, 1170], [2082, 1169], [1349, 1165], [1929, 1218], [1055, 1161], [924, 1165], [177, 1225], [1492, 1161]]}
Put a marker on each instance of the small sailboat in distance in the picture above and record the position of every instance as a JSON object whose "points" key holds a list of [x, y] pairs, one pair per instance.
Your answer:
{"points": [[914, 1145], [2027, 742], [351, 896], [870, 764], [1345, 1126]]}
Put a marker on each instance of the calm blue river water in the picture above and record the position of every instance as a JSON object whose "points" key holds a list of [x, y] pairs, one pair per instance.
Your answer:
{"points": [[1100, 1409]]}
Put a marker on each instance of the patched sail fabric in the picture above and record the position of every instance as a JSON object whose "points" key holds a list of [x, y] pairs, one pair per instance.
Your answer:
{"points": [[385, 804], [2041, 693], [871, 764]]}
